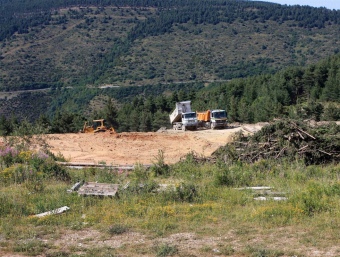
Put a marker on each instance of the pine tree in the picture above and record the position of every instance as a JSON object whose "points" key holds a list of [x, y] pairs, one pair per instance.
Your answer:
{"points": [[111, 114], [160, 119]]}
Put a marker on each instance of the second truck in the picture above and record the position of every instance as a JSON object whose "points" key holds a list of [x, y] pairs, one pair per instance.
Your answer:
{"points": [[212, 119]]}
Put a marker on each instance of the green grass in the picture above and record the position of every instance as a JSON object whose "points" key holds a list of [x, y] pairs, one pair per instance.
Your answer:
{"points": [[197, 201]]}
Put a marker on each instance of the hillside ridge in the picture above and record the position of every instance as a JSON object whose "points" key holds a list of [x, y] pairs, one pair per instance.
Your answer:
{"points": [[133, 44]]}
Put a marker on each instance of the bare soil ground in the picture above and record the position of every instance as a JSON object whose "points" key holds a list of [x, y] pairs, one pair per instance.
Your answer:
{"points": [[137, 147], [230, 243]]}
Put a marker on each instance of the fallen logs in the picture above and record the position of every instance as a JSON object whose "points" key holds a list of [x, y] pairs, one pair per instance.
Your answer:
{"points": [[286, 139]]}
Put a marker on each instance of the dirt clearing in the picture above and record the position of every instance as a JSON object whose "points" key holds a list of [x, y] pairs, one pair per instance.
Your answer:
{"points": [[137, 147]]}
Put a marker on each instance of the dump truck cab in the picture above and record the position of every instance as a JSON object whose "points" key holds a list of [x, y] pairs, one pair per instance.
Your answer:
{"points": [[212, 119], [189, 120], [218, 119], [182, 117]]}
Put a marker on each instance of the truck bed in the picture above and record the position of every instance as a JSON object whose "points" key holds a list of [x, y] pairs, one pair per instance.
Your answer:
{"points": [[203, 116], [181, 107]]}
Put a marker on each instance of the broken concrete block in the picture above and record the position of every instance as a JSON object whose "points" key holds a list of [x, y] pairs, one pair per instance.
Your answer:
{"points": [[56, 211]]}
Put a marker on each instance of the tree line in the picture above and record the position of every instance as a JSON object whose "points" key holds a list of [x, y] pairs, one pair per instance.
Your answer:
{"points": [[296, 92], [18, 16]]}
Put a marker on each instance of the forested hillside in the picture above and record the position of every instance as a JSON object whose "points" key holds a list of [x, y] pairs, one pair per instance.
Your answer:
{"points": [[77, 42], [256, 60], [311, 92]]}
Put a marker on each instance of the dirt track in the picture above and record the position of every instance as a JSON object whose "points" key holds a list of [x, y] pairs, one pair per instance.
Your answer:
{"points": [[137, 147]]}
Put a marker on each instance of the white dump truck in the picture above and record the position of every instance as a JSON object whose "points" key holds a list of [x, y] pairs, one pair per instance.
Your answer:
{"points": [[182, 117]]}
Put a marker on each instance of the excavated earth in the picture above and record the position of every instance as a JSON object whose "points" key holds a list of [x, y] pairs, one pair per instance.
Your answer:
{"points": [[129, 148]]}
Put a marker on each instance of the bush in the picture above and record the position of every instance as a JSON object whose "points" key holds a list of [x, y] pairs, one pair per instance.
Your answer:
{"points": [[136, 187], [166, 250], [28, 165], [117, 229], [277, 214], [35, 185], [19, 173], [184, 192], [30, 247], [223, 178], [54, 170], [106, 176], [8, 156], [159, 167], [236, 175], [317, 198]]}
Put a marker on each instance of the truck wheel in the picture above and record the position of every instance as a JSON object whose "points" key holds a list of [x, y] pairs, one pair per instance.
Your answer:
{"points": [[183, 128]]}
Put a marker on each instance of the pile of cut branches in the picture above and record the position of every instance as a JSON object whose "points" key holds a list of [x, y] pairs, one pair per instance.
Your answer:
{"points": [[286, 139]]}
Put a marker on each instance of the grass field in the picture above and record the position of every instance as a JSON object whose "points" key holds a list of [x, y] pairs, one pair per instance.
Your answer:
{"points": [[202, 211]]}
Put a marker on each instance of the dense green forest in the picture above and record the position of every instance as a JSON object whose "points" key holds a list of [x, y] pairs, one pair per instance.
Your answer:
{"points": [[311, 92], [20, 16], [130, 61], [77, 43]]}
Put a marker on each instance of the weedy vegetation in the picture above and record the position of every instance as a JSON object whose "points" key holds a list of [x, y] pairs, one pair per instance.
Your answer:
{"points": [[202, 199]]}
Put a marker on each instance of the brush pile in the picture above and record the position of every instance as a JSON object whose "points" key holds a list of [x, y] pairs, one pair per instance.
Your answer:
{"points": [[286, 139]]}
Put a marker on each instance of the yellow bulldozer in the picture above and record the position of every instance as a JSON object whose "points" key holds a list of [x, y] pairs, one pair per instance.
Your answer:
{"points": [[98, 126]]}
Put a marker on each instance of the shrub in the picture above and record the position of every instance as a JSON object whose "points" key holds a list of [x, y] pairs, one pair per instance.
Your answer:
{"points": [[277, 214], [117, 229], [223, 178], [30, 247], [260, 251], [6, 206], [184, 192], [236, 175], [316, 198], [28, 165], [18, 173], [165, 250], [35, 185], [38, 159], [106, 176], [52, 169], [137, 187], [159, 167], [140, 174], [8, 156], [187, 168]]}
